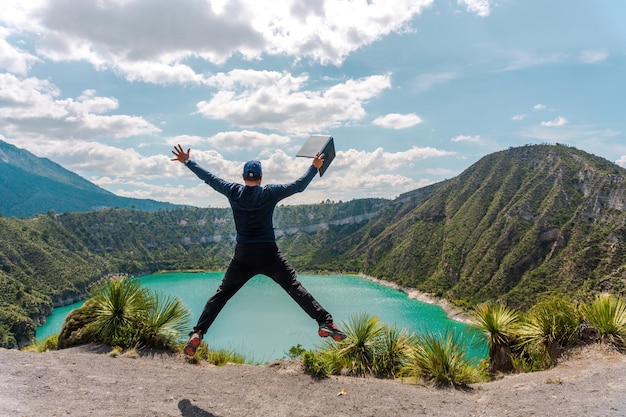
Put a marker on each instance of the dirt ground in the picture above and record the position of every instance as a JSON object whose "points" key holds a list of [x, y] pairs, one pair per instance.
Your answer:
{"points": [[85, 381]]}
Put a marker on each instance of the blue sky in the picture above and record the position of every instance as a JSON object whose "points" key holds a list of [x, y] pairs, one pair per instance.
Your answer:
{"points": [[413, 91]]}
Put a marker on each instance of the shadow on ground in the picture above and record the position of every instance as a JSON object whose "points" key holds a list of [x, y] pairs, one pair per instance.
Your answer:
{"points": [[187, 409]]}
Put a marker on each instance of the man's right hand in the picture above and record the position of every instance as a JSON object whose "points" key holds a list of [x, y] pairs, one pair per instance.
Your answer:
{"points": [[180, 155]]}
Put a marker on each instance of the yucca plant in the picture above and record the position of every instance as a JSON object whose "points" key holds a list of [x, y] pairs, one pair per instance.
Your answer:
{"points": [[166, 318], [394, 349], [607, 313], [121, 312], [441, 359], [549, 326], [497, 323], [358, 350], [120, 307]]}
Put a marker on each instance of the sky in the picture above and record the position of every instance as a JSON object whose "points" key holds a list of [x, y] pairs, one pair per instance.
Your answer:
{"points": [[412, 91]]}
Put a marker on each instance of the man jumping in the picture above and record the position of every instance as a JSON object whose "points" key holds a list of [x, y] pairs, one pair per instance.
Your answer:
{"points": [[256, 251]]}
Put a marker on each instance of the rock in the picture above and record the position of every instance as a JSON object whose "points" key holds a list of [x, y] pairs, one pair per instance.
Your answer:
{"points": [[75, 328], [587, 333]]}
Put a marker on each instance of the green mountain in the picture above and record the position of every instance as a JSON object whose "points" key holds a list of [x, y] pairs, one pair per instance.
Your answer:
{"points": [[517, 225], [30, 185]]}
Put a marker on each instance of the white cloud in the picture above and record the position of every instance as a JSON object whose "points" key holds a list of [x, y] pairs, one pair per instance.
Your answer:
{"points": [[425, 82], [523, 59], [481, 7], [28, 98], [397, 121], [233, 140], [246, 139], [593, 56], [361, 162], [162, 31], [519, 60], [94, 160], [441, 172], [165, 34], [621, 161], [32, 109], [157, 72], [185, 140], [559, 121], [539, 107], [519, 117], [280, 101], [582, 136], [466, 138], [14, 59], [328, 31], [17, 13]]}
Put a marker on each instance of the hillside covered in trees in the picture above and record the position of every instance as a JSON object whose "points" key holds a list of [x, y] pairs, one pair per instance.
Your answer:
{"points": [[517, 225]]}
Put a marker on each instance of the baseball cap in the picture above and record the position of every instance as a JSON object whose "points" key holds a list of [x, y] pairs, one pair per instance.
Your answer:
{"points": [[252, 169]]}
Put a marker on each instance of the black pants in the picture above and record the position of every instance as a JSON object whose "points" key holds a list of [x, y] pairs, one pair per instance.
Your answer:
{"points": [[251, 260]]}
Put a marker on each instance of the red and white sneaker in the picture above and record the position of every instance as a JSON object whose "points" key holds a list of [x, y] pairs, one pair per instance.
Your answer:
{"points": [[195, 338], [330, 329]]}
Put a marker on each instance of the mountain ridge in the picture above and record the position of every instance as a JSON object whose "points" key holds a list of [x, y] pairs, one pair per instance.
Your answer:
{"points": [[506, 222], [31, 185]]}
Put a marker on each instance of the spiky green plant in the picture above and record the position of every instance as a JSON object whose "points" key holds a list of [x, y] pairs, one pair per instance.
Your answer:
{"points": [[497, 323], [607, 313], [359, 349], [119, 308], [441, 360], [166, 318], [333, 363], [121, 312], [393, 351], [549, 326]]}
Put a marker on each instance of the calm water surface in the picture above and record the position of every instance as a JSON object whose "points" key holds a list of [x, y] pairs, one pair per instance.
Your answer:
{"points": [[262, 322]]}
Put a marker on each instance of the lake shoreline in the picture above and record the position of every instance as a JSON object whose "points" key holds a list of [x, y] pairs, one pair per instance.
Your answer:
{"points": [[453, 313]]}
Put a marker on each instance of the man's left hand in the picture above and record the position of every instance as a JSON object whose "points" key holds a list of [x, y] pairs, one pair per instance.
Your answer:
{"points": [[318, 161]]}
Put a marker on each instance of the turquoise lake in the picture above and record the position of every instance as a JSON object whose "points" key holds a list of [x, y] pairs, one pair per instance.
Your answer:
{"points": [[262, 322]]}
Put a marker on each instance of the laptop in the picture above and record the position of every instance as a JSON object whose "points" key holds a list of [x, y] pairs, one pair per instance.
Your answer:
{"points": [[322, 144]]}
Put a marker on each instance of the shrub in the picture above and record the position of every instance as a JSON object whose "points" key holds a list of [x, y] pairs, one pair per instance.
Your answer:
{"points": [[358, 350], [607, 313], [441, 360], [120, 308], [392, 352], [314, 364], [498, 324], [549, 326], [49, 343], [122, 313], [166, 318]]}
